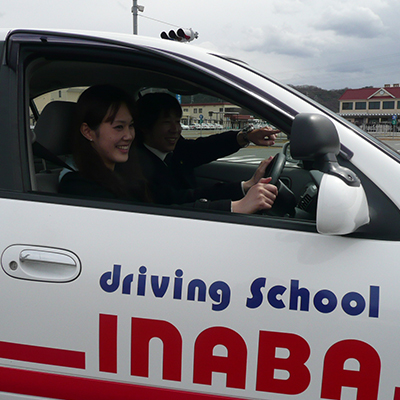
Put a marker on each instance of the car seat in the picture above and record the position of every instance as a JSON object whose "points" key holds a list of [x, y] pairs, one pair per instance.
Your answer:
{"points": [[52, 135]]}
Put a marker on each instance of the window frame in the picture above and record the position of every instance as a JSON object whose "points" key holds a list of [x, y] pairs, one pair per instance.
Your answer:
{"points": [[361, 105], [347, 105], [229, 89], [371, 105], [180, 212], [388, 105]]}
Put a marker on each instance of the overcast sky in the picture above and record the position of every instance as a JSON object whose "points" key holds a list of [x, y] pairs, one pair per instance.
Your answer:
{"points": [[332, 44]]}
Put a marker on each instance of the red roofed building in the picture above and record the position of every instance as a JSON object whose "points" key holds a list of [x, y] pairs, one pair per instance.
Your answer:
{"points": [[371, 105]]}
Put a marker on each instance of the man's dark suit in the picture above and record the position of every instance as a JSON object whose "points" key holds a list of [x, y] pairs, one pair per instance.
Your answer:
{"points": [[176, 183]]}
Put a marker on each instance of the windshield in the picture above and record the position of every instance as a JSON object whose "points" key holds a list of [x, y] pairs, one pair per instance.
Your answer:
{"points": [[373, 111]]}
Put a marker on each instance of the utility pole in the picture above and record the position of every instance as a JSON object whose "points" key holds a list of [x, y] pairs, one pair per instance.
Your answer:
{"points": [[135, 9]]}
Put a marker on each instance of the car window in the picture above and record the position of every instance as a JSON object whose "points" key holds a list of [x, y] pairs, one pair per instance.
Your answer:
{"points": [[203, 116], [212, 102], [206, 111], [63, 94]]}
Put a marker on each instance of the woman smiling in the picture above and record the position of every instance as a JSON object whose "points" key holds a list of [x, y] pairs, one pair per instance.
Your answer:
{"points": [[103, 136]]}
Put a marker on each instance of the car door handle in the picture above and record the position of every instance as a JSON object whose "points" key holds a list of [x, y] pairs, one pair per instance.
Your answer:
{"points": [[46, 257], [40, 263]]}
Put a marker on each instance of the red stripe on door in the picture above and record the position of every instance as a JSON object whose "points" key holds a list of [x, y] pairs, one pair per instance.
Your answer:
{"points": [[75, 388], [42, 355]]}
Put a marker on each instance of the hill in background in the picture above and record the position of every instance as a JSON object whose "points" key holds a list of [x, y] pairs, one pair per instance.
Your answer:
{"points": [[328, 98]]}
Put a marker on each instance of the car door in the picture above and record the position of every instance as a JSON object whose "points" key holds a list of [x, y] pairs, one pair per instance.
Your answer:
{"points": [[103, 299]]}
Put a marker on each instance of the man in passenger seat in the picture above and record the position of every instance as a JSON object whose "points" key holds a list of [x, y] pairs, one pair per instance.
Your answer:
{"points": [[168, 160]]}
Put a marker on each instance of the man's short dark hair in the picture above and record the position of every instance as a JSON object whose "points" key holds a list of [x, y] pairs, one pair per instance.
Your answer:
{"points": [[152, 106]]}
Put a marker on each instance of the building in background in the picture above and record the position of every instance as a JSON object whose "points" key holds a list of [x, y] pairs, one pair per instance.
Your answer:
{"points": [[219, 114], [199, 115], [372, 107]]}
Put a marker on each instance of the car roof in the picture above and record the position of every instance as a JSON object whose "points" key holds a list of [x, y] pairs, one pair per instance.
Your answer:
{"points": [[80, 73], [142, 41], [134, 62]]}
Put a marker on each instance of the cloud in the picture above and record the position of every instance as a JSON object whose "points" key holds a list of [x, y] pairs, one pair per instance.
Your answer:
{"points": [[353, 21], [287, 6], [280, 41], [328, 43], [208, 46]]}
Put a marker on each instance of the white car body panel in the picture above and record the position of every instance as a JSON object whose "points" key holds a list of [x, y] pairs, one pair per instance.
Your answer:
{"points": [[315, 261], [77, 336]]}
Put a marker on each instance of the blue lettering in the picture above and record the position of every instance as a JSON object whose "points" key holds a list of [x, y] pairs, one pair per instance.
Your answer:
{"points": [[330, 304], [201, 286], [295, 293], [178, 284], [374, 301], [255, 290], [126, 284], [325, 301], [114, 277], [348, 299], [159, 291], [220, 292], [275, 291], [141, 289]]}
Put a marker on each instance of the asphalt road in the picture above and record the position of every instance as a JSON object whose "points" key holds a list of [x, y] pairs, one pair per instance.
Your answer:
{"points": [[257, 153], [393, 143], [251, 154]]}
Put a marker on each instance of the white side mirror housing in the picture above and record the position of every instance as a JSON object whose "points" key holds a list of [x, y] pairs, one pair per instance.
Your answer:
{"points": [[341, 209]]}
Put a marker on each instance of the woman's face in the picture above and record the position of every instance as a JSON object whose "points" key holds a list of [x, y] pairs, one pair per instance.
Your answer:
{"points": [[112, 140]]}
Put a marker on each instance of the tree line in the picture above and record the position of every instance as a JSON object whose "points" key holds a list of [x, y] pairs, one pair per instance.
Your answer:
{"points": [[328, 98]]}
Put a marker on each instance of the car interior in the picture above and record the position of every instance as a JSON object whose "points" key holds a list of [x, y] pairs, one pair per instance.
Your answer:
{"points": [[49, 148], [137, 73]]}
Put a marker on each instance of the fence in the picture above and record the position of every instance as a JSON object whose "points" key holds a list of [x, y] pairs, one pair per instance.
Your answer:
{"points": [[381, 130]]}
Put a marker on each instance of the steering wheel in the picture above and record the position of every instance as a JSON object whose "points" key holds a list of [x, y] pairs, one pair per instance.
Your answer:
{"points": [[275, 168], [285, 202]]}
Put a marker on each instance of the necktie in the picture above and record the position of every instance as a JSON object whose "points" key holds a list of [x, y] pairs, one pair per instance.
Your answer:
{"points": [[168, 159]]}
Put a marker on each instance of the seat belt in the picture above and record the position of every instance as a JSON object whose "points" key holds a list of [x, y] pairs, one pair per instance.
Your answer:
{"points": [[41, 151]]}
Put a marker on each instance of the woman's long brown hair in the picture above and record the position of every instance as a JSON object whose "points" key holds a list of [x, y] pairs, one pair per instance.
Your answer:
{"points": [[94, 105]]}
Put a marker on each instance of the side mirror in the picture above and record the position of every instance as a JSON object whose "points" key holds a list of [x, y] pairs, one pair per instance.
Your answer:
{"points": [[342, 205], [313, 137], [341, 208]]}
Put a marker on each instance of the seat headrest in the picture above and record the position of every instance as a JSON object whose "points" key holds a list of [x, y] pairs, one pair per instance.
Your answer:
{"points": [[55, 126]]}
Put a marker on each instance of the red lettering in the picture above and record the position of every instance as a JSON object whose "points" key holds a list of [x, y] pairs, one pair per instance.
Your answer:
{"points": [[366, 379], [108, 343], [299, 375], [234, 365], [143, 330]]}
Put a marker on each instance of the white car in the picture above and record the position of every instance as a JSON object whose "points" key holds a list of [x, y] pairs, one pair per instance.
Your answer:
{"points": [[111, 300]]}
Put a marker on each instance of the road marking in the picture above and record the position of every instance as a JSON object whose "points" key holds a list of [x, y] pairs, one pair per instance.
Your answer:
{"points": [[248, 159]]}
